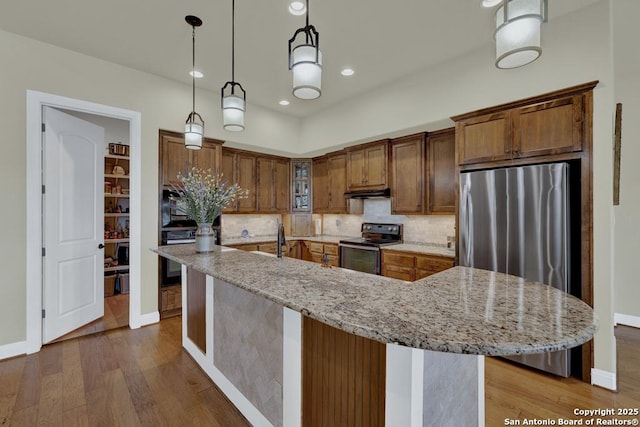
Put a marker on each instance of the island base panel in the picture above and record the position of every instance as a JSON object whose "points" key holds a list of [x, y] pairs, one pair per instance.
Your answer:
{"points": [[343, 380], [196, 308]]}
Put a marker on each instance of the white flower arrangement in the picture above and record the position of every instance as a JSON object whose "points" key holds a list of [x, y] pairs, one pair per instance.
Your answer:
{"points": [[203, 195]]}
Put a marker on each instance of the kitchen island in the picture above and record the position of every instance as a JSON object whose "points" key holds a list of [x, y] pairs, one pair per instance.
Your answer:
{"points": [[288, 340]]}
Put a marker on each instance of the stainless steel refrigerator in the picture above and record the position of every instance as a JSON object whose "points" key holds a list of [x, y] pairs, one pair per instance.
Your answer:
{"points": [[517, 221]]}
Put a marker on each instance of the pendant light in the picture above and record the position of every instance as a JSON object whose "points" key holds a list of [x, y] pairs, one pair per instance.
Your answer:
{"points": [[233, 105], [194, 127], [305, 61], [518, 32]]}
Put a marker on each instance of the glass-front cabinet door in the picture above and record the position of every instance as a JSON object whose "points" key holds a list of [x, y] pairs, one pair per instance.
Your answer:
{"points": [[301, 185]]}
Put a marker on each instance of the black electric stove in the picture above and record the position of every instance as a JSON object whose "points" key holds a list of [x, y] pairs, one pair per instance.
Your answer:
{"points": [[363, 253]]}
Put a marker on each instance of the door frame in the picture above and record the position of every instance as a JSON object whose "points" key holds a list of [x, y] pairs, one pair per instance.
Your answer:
{"points": [[34, 302]]}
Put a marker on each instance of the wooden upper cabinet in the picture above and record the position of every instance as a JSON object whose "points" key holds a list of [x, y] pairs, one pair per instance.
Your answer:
{"points": [[549, 128], [175, 157], [545, 125], [246, 178], [441, 172], [484, 139], [337, 172], [320, 171], [273, 184], [208, 157], [265, 190], [228, 168], [407, 174], [367, 166], [282, 183]]}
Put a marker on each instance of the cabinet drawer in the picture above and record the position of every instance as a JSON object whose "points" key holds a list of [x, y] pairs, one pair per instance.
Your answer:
{"points": [[434, 264], [334, 261], [316, 247], [271, 248], [331, 249], [246, 247], [396, 272], [398, 259], [316, 257], [421, 274]]}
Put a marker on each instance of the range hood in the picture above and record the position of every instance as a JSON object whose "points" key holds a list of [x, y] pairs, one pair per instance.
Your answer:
{"points": [[368, 194]]}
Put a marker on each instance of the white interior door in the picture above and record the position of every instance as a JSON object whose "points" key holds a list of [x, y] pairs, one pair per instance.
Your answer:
{"points": [[73, 215]]}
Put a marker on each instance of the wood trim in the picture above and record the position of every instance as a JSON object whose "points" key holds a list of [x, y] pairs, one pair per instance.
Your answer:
{"points": [[365, 145], [570, 91], [343, 377], [196, 308]]}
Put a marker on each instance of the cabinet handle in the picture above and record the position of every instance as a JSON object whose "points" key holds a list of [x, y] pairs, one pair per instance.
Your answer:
{"points": [[100, 246]]}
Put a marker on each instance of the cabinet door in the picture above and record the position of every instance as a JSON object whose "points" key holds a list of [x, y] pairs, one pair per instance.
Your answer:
{"points": [[175, 158], [208, 157], [337, 183], [246, 176], [265, 191], [376, 161], [282, 185], [396, 272], [356, 169], [549, 128], [228, 168], [407, 172], [441, 153], [320, 184], [484, 139]]}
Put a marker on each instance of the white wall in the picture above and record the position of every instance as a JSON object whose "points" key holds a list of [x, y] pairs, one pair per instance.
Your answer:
{"points": [[627, 214], [163, 104]]}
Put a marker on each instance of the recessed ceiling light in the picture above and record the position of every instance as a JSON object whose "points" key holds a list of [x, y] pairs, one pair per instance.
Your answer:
{"points": [[347, 72], [491, 3], [284, 103], [197, 74], [297, 8]]}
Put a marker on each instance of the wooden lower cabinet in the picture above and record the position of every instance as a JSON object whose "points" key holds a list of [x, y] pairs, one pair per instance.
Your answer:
{"points": [[410, 267], [318, 250], [343, 377]]}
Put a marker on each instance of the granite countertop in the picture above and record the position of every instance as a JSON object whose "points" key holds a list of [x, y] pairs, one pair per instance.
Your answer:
{"points": [[423, 249], [460, 310]]}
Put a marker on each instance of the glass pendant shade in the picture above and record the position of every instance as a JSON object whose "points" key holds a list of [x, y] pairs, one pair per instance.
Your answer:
{"points": [[193, 133], [233, 112], [518, 36], [307, 71]]}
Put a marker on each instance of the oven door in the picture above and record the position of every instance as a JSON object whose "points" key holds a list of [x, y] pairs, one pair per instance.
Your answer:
{"points": [[360, 258]]}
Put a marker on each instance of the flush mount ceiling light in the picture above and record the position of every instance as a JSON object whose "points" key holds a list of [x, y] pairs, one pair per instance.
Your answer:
{"points": [[197, 74], [284, 102], [518, 32], [347, 72], [305, 61], [297, 8], [194, 127], [233, 105]]}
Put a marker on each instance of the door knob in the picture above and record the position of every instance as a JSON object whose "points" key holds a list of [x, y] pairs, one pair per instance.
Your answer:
{"points": [[100, 246]]}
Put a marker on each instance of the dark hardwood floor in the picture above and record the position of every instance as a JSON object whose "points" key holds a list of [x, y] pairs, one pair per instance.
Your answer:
{"points": [[116, 315], [142, 377], [122, 377]]}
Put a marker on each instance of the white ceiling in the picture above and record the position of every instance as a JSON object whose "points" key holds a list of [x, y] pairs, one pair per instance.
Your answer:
{"points": [[382, 40]]}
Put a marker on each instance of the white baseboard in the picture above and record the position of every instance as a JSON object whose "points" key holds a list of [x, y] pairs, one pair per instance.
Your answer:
{"points": [[149, 318], [14, 349], [603, 379], [625, 319]]}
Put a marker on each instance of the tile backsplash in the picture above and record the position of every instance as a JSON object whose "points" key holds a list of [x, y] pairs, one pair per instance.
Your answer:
{"points": [[256, 225], [431, 229]]}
